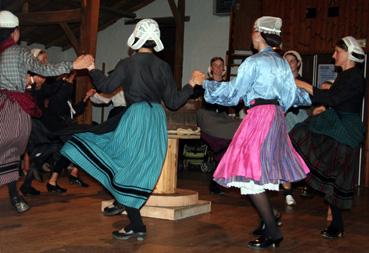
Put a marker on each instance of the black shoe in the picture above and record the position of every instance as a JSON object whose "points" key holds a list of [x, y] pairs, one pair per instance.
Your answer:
{"points": [[260, 230], [331, 233], [55, 188], [114, 209], [125, 235], [29, 190], [263, 242], [307, 193], [214, 188], [77, 181], [19, 204]]}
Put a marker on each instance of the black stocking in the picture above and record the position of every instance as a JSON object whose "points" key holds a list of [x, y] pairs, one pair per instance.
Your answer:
{"points": [[12, 188], [28, 179], [262, 204], [337, 221], [135, 218]]}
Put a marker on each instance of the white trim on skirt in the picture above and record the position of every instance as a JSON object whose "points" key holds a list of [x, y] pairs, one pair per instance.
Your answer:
{"points": [[251, 188]]}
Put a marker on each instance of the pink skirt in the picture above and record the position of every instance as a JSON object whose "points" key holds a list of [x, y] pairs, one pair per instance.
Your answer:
{"points": [[261, 153]]}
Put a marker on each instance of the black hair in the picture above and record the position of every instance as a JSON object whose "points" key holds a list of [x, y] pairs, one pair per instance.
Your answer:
{"points": [[342, 44], [272, 40], [5, 33], [216, 58], [148, 44], [297, 60], [294, 56]]}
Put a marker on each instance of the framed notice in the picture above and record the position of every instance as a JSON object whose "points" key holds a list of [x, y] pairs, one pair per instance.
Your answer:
{"points": [[223, 7], [326, 72]]}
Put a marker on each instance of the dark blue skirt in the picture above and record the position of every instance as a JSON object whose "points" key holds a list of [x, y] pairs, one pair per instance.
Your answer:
{"points": [[333, 164]]}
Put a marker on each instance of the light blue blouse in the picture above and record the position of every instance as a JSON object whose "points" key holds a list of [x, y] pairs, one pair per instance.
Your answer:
{"points": [[263, 75]]}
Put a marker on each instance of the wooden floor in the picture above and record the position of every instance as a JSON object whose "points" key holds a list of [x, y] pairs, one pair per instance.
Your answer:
{"points": [[72, 222]]}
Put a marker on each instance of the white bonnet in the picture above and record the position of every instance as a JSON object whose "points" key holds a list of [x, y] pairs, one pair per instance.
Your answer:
{"points": [[146, 29], [356, 53], [268, 24], [8, 20]]}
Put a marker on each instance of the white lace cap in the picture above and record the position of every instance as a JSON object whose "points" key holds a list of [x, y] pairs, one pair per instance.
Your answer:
{"points": [[146, 29], [36, 51], [8, 20], [353, 49], [268, 24]]}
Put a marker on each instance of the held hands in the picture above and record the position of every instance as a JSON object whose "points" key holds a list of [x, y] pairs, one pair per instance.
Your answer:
{"points": [[89, 93], [304, 85], [84, 61], [318, 110], [197, 78], [299, 83]]}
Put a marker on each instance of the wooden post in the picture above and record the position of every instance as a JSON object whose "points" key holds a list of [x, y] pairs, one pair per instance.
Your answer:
{"points": [[365, 159], [25, 6], [167, 183], [87, 45], [179, 14]]}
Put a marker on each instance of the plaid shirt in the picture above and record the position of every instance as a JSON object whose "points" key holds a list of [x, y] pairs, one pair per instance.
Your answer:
{"points": [[16, 61]]}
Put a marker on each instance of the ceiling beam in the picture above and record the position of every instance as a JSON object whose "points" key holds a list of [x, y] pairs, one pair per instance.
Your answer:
{"points": [[70, 35], [161, 21], [115, 9], [25, 6], [50, 17], [173, 8], [62, 41], [124, 14]]}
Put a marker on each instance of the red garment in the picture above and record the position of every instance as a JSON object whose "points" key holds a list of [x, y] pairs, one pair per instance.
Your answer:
{"points": [[25, 101], [6, 43]]}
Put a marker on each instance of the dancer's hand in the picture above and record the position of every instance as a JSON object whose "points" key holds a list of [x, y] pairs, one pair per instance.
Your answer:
{"points": [[304, 85], [83, 61], [318, 110], [89, 93], [197, 78]]}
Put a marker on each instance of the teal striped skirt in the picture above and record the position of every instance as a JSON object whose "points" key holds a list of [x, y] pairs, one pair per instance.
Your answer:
{"points": [[127, 161]]}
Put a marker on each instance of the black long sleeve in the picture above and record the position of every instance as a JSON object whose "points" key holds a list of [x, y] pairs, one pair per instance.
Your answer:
{"points": [[144, 77], [346, 93]]}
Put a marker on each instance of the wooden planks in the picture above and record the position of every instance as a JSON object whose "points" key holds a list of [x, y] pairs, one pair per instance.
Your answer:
{"points": [[73, 222]]}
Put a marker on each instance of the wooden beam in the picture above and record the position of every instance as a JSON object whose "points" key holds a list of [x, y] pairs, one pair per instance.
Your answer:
{"points": [[117, 6], [120, 13], [173, 8], [112, 9], [50, 17], [25, 6], [88, 39], [71, 37], [178, 13], [89, 27], [365, 159], [162, 21]]}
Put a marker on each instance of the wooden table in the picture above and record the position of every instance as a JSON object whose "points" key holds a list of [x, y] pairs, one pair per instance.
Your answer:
{"points": [[167, 201], [167, 183]]}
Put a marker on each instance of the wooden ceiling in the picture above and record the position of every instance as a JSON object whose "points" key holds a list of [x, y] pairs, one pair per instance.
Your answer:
{"points": [[48, 22]]}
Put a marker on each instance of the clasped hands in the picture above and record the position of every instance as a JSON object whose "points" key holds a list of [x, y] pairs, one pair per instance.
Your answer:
{"points": [[85, 61], [197, 78]]}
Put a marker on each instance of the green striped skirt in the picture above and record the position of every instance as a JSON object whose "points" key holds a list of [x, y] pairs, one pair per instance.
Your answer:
{"points": [[127, 161]]}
